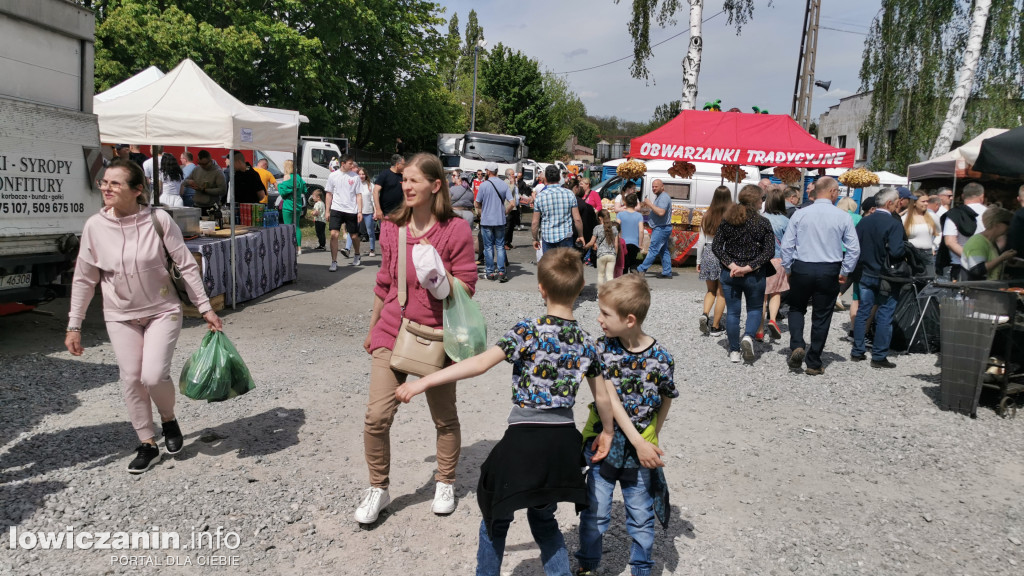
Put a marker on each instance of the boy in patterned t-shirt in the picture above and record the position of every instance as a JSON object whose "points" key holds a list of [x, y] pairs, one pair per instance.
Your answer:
{"points": [[641, 372], [538, 462]]}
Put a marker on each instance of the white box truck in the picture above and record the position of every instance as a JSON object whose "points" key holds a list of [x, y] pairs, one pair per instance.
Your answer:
{"points": [[49, 144]]}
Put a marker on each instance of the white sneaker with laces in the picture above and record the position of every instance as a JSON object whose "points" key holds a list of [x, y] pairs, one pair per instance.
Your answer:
{"points": [[333, 268], [444, 499], [355, 260], [735, 356], [376, 499], [372, 254], [747, 345]]}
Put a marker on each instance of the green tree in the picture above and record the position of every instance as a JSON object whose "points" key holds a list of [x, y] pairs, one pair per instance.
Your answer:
{"points": [[665, 112], [911, 57], [516, 85]]}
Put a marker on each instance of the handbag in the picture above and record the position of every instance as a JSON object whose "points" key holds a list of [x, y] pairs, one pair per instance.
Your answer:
{"points": [[172, 267], [419, 349]]}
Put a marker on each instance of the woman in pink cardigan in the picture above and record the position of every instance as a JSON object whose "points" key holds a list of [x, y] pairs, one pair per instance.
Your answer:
{"points": [[122, 253], [428, 216]]}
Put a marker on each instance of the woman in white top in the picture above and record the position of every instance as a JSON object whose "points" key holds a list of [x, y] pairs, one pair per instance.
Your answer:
{"points": [[709, 269], [171, 177], [923, 232], [366, 189]]}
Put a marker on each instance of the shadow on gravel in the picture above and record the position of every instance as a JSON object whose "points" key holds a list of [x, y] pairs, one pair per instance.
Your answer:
{"points": [[259, 435], [18, 502], [43, 453], [616, 544]]}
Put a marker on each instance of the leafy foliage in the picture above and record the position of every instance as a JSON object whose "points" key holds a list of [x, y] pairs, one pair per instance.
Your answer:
{"points": [[911, 58]]}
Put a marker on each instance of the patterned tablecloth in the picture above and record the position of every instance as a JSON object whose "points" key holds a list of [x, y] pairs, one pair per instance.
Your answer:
{"points": [[266, 259]]}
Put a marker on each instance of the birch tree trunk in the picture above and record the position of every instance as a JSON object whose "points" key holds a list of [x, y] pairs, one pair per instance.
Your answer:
{"points": [[691, 63], [965, 81]]}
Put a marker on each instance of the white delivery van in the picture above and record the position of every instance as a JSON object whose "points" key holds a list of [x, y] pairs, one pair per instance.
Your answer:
{"points": [[49, 145], [693, 192]]}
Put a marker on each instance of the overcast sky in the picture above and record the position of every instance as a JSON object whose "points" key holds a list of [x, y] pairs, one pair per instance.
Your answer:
{"points": [[756, 68]]}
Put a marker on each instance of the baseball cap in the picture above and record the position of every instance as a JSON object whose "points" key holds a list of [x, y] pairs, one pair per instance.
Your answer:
{"points": [[905, 192], [867, 204], [491, 167]]}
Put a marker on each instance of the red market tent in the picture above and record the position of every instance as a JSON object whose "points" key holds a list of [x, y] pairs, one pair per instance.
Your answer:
{"points": [[739, 138]]}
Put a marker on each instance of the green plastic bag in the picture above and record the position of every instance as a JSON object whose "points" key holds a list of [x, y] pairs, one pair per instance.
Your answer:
{"points": [[465, 330], [215, 371]]}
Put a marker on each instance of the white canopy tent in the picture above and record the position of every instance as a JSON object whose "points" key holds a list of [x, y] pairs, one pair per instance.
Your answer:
{"points": [[144, 78], [186, 107]]}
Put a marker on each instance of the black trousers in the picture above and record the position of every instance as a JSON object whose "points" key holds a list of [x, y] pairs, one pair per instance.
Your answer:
{"points": [[632, 251], [510, 224], [817, 284], [321, 233]]}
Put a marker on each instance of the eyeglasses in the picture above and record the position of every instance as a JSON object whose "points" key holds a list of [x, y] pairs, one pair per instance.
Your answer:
{"points": [[107, 184]]}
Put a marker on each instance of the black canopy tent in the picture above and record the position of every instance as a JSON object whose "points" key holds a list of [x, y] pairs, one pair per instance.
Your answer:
{"points": [[1003, 154]]}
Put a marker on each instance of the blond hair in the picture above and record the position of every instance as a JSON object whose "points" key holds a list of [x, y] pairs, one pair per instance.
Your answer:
{"points": [[288, 167], [560, 273], [846, 203], [433, 171], [627, 294]]}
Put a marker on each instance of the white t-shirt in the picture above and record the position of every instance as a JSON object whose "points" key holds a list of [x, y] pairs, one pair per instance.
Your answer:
{"points": [[921, 235], [343, 187], [170, 191], [147, 168], [367, 193], [950, 230]]}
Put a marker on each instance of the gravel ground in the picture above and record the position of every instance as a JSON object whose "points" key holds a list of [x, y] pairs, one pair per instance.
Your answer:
{"points": [[853, 472]]}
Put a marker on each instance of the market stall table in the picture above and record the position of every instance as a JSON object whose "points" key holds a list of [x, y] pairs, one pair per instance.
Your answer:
{"points": [[266, 261]]}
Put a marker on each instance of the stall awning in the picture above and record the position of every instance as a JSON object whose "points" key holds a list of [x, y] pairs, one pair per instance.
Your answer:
{"points": [[739, 138], [952, 164], [1002, 155]]}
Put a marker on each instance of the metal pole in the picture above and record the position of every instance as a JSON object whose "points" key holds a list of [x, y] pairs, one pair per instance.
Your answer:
{"points": [[472, 116], [231, 191]]}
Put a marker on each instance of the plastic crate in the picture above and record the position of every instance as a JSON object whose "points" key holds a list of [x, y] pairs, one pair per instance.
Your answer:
{"points": [[968, 327]]}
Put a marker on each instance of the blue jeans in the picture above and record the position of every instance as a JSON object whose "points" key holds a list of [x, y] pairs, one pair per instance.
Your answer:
{"points": [[494, 248], [188, 196], [660, 238], [368, 222], [545, 532], [869, 297], [563, 243], [594, 520], [750, 287]]}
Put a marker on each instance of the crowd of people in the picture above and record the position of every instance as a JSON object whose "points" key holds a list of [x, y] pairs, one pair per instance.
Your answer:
{"points": [[758, 251]]}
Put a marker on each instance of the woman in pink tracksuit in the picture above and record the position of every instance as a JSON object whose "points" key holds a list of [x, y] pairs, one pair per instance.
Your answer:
{"points": [[122, 252]]}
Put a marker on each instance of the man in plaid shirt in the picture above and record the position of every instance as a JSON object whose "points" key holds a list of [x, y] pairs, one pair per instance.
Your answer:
{"points": [[554, 215]]}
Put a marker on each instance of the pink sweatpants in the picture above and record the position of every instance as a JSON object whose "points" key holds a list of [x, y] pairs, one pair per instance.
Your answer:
{"points": [[144, 348]]}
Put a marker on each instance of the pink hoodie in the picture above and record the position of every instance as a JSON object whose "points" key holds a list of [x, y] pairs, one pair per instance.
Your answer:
{"points": [[124, 256]]}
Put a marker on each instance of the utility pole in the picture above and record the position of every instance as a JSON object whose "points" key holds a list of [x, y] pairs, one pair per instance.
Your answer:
{"points": [[804, 87]]}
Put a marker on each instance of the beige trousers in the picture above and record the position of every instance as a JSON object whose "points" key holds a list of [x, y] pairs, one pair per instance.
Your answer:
{"points": [[380, 413]]}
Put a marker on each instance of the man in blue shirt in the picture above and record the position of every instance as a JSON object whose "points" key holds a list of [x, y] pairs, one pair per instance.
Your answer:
{"points": [[814, 260], [880, 235], [661, 222], [555, 214], [493, 201]]}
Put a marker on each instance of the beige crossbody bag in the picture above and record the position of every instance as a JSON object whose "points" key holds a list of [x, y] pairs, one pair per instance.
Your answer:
{"points": [[419, 349]]}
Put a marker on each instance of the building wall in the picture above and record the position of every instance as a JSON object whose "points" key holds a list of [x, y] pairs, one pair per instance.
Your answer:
{"points": [[840, 126]]}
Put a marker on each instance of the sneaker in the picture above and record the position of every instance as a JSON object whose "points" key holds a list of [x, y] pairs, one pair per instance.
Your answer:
{"points": [[704, 324], [735, 356], [747, 345], [444, 499], [773, 329], [298, 251], [344, 252], [147, 455], [173, 440], [796, 358], [374, 501], [814, 371], [716, 331], [372, 254], [584, 572], [882, 364], [502, 277], [492, 276], [759, 336], [356, 260], [333, 268], [856, 358]]}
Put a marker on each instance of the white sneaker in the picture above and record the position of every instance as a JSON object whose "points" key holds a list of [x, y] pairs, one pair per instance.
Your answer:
{"points": [[374, 501], [333, 268], [735, 356], [372, 254], [747, 345], [356, 260], [444, 499]]}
